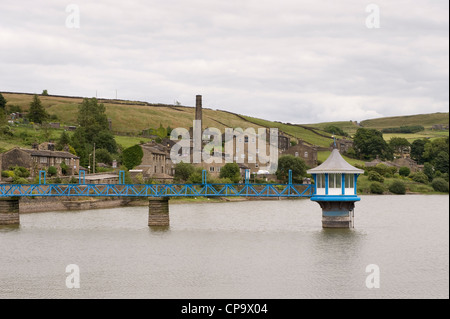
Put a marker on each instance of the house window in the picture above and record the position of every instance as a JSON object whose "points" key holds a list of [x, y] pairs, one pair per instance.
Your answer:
{"points": [[58, 160], [306, 154], [67, 161], [349, 181], [218, 169], [43, 160], [250, 158], [334, 180], [162, 169], [253, 140], [211, 168], [242, 155], [296, 154], [320, 180], [246, 139]]}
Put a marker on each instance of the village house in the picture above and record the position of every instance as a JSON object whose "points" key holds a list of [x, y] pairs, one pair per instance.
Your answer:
{"points": [[35, 160], [156, 162], [304, 151]]}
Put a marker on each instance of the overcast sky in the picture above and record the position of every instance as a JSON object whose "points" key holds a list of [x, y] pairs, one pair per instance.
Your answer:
{"points": [[286, 60]]}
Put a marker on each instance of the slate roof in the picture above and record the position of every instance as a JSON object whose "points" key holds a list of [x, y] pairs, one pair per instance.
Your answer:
{"points": [[335, 163], [60, 154]]}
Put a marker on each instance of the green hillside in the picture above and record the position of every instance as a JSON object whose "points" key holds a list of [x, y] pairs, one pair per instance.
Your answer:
{"points": [[426, 120], [132, 117]]}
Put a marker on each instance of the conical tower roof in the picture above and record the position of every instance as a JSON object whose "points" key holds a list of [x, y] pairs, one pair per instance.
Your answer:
{"points": [[335, 163]]}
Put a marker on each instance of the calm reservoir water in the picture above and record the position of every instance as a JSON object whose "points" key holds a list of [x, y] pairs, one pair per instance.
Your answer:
{"points": [[251, 249]]}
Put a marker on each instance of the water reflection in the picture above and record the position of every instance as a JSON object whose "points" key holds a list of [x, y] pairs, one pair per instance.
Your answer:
{"points": [[9, 228], [159, 229]]}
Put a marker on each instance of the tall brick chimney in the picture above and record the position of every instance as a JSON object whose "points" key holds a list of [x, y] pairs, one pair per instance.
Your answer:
{"points": [[198, 107]]}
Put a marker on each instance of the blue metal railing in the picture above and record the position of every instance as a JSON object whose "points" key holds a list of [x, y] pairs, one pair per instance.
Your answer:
{"points": [[156, 190]]}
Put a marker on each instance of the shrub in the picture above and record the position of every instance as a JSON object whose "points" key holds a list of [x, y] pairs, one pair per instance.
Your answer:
{"points": [[404, 171], [420, 177], [21, 172], [440, 185], [397, 187], [52, 171], [183, 171], [7, 174], [376, 188], [375, 177], [231, 171], [64, 168], [20, 180]]}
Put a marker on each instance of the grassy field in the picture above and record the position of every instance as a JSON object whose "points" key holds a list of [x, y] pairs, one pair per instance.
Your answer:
{"points": [[426, 120], [296, 131], [347, 126]]}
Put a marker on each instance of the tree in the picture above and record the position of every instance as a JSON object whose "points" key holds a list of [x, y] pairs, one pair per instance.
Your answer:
{"points": [[290, 162], [103, 156], [428, 170], [45, 93], [183, 171], [441, 162], [37, 113], [63, 140], [335, 130], [2, 103], [399, 144], [369, 144], [231, 171], [417, 149], [93, 129], [132, 156]]}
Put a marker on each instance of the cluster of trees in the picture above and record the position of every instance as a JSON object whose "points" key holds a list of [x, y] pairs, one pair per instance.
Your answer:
{"points": [[332, 129], [186, 172], [369, 144], [404, 129], [92, 131]]}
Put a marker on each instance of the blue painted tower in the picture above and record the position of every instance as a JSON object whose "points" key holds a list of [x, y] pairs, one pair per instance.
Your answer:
{"points": [[335, 190]]}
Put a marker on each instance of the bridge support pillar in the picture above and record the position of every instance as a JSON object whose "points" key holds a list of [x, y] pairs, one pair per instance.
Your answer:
{"points": [[337, 214], [9, 211], [158, 211]]}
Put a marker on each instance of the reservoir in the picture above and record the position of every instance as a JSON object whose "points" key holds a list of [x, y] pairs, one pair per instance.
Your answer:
{"points": [[249, 249]]}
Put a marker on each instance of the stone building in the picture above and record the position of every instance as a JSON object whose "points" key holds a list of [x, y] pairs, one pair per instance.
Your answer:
{"points": [[156, 161], [304, 151], [35, 160], [342, 145]]}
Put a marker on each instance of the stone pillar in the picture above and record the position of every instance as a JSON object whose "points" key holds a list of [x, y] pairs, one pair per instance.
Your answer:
{"points": [[158, 211], [337, 214], [9, 211]]}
